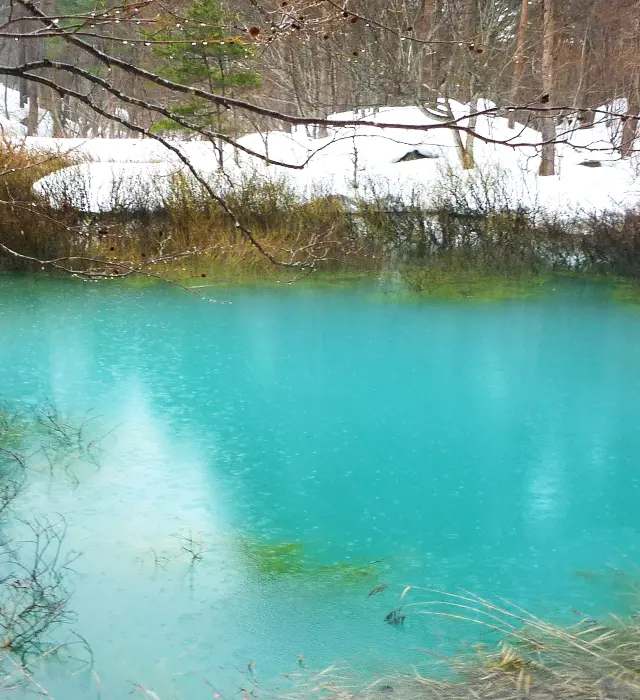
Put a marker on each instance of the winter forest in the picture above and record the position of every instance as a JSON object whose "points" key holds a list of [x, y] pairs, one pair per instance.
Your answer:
{"points": [[536, 61]]}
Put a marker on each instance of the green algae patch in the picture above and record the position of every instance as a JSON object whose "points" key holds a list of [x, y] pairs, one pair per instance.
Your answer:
{"points": [[207, 275], [413, 283], [627, 292], [273, 276], [282, 559], [271, 560], [348, 573], [444, 285], [410, 284]]}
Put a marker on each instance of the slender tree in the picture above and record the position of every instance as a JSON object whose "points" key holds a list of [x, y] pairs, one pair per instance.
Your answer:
{"points": [[519, 58], [548, 126]]}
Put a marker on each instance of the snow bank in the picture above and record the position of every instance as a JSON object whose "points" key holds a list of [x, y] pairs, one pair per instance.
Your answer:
{"points": [[10, 129], [100, 187], [359, 160], [105, 150]]}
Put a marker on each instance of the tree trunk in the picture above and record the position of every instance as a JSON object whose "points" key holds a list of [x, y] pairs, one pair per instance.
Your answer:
{"points": [[470, 33], [52, 103], [33, 116], [630, 125], [469, 25], [629, 131], [6, 100], [468, 160], [580, 99], [56, 117], [425, 30], [22, 83], [519, 58], [323, 89], [34, 51], [464, 149], [423, 26], [547, 162]]}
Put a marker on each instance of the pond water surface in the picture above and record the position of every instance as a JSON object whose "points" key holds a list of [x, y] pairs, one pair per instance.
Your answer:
{"points": [[309, 444]]}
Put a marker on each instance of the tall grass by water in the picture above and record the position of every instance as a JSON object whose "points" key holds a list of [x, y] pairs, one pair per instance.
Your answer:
{"points": [[465, 228], [533, 658]]}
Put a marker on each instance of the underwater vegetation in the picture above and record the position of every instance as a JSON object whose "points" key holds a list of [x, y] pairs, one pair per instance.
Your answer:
{"points": [[270, 560]]}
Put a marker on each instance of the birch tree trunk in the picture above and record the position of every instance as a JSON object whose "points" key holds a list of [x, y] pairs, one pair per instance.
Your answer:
{"points": [[630, 126], [519, 58], [547, 162]]}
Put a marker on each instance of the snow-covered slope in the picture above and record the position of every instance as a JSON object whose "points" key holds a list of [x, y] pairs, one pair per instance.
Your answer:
{"points": [[403, 163]]}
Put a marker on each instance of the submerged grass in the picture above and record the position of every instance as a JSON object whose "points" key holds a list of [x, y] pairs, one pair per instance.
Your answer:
{"points": [[472, 284], [13, 427], [627, 291], [42, 437], [272, 560]]}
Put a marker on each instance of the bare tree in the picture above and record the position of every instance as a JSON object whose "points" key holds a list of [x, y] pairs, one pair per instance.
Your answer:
{"points": [[548, 130], [630, 125], [519, 59]]}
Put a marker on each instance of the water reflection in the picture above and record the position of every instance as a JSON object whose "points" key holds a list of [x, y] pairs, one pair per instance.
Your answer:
{"points": [[547, 493]]}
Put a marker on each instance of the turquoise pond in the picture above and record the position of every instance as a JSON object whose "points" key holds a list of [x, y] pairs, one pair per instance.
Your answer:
{"points": [[487, 447]]}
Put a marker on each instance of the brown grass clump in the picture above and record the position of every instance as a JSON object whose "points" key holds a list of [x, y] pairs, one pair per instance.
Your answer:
{"points": [[27, 223], [467, 239], [181, 235], [531, 659]]}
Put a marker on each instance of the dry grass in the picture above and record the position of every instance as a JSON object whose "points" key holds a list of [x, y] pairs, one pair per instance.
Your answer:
{"points": [[183, 232], [444, 245], [21, 167], [26, 223], [532, 658]]}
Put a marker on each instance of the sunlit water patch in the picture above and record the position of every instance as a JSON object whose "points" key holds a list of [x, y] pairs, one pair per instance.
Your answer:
{"points": [[265, 464]]}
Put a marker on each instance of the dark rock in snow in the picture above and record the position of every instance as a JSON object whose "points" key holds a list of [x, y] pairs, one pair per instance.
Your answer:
{"points": [[416, 154]]}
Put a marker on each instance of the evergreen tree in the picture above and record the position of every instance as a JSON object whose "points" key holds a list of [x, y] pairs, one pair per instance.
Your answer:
{"points": [[202, 51]]}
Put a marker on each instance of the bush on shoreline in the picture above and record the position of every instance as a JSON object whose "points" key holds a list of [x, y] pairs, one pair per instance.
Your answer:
{"points": [[462, 227]]}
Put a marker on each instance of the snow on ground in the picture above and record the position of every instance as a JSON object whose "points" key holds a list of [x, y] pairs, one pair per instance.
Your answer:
{"points": [[11, 129], [12, 116], [96, 187], [104, 150], [361, 161]]}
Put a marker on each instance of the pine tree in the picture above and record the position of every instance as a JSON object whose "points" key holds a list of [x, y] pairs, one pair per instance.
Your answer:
{"points": [[201, 51]]}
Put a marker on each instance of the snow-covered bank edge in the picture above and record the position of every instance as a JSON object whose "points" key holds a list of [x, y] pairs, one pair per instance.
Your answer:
{"points": [[351, 162]]}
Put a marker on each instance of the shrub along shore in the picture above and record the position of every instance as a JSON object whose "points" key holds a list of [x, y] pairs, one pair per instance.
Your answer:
{"points": [[465, 239]]}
